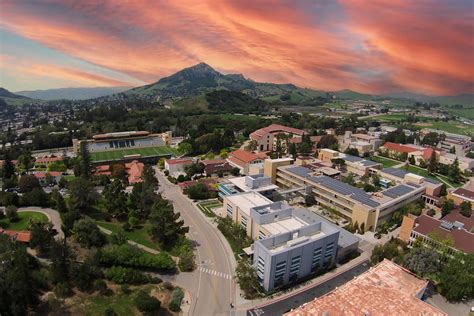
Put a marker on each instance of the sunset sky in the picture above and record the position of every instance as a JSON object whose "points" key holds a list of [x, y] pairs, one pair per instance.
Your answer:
{"points": [[374, 46]]}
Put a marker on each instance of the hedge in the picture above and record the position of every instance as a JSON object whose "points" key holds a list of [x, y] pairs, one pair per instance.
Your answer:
{"points": [[130, 256], [176, 297]]}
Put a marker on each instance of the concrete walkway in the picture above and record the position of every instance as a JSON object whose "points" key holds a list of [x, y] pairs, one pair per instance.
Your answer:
{"points": [[131, 242], [53, 217]]}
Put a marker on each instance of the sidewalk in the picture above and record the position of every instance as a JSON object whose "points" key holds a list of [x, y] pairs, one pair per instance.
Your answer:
{"points": [[313, 283]]}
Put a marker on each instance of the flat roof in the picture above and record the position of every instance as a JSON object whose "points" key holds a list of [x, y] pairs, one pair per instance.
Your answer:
{"points": [[386, 289], [240, 183], [247, 200], [284, 225]]}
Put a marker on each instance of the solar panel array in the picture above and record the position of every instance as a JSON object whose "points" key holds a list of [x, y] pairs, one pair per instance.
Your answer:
{"points": [[352, 158], [395, 172], [345, 189], [398, 191], [300, 171]]}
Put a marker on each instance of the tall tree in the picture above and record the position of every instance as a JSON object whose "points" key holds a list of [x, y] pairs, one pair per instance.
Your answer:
{"points": [[454, 171], [433, 163], [457, 278], [8, 169], [82, 196], [116, 199], [166, 228], [466, 208], [86, 167]]}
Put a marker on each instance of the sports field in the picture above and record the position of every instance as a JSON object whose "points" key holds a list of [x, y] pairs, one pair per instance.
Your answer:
{"points": [[144, 152]]}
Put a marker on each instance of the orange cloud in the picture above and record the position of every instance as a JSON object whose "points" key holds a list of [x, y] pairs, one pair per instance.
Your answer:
{"points": [[374, 46]]}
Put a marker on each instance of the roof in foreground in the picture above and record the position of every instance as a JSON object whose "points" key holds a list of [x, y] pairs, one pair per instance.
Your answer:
{"points": [[386, 289]]}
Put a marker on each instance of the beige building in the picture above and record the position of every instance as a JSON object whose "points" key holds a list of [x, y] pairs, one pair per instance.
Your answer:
{"points": [[266, 138]]}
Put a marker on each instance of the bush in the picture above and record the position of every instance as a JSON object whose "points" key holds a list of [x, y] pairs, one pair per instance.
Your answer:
{"points": [[109, 311], [146, 303], [198, 191], [88, 233], [176, 297], [118, 238], [121, 275], [130, 256], [11, 212], [101, 286], [62, 290], [186, 260], [125, 289]]}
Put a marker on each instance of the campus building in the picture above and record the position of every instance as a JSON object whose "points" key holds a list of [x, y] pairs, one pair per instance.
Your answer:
{"points": [[364, 143], [291, 243], [464, 194], [177, 166], [369, 209], [353, 164], [432, 232], [123, 140], [266, 138], [247, 162], [386, 289], [256, 183]]}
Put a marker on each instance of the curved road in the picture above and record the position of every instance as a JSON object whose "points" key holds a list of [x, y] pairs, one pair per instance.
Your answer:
{"points": [[211, 285], [53, 217]]}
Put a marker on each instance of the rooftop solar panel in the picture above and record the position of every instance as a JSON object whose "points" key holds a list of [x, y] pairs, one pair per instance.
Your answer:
{"points": [[395, 172], [352, 158], [398, 191], [300, 171]]}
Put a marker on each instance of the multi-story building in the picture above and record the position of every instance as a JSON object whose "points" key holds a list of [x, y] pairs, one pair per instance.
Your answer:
{"points": [[302, 239], [459, 144], [454, 228], [354, 164], [464, 194], [266, 138], [465, 163], [364, 143], [253, 183], [352, 202]]}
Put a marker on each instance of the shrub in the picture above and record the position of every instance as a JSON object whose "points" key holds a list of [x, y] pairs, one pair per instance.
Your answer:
{"points": [[109, 311], [176, 298], [101, 286], [11, 212], [123, 275], [125, 289], [131, 256], [88, 233], [62, 290], [146, 303], [186, 260]]}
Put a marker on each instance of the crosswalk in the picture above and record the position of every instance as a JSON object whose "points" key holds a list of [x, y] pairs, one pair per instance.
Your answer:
{"points": [[215, 273]]}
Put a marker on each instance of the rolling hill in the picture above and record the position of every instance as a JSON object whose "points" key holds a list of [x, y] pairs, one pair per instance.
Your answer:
{"points": [[72, 93], [12, 98]]}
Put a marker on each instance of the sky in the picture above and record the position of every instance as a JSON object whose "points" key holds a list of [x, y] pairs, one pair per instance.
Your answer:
{"points": [[376, 46]]}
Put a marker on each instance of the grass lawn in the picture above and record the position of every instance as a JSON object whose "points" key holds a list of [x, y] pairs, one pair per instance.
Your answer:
{"points": [[69, 177], [387, 163], [207, 206], [138, 235], [144, 152], [424, 173], [22, 223], [451, 127]]}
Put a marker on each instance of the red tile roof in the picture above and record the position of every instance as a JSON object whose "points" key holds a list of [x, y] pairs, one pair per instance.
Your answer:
{"points": [[134, 170], [297, 140], [386, 289], [46, 160], [275, 128], [179, 161], [216, 165], [21, 235], [399, 147], [242, 157], [462, 239], [40, 175]]}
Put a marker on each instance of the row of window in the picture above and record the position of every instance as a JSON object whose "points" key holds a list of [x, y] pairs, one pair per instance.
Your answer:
{"points": [[122, 143]]}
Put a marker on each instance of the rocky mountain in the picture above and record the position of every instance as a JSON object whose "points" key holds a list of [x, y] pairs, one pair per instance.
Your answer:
{"points": [[72, 93], [202, 78]]}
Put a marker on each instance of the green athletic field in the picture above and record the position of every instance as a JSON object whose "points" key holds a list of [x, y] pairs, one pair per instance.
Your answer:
{"points": [[144, 152]]}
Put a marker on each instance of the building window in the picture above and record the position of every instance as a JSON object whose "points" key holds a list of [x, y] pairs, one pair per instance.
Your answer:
{"points": [[229, 210], [260, 268], [243, 222], [295, 268], [261, 235], [279, 273]]}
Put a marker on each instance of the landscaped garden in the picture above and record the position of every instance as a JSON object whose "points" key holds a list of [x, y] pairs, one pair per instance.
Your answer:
{"points": [[23, 221], [386, 162], [207, 207]]}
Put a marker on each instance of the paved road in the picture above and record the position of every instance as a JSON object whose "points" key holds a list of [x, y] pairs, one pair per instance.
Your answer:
{"points": [[211, 285], [52, 215], [285, 305]]}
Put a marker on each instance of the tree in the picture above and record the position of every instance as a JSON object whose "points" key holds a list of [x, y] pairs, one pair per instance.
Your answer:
{"points": [[149, 177], [194, 168], [457, 278], [185, 148], [116, 199], [27, 183], [352, 151], [146, 303], [61, 260], [165, 226], [88, 234], [412, 160], [42, 235], [85, 161], [454, 171], [186, 260], [388, 251], [119, 172], [57, 201], [118, 238], [8, 169], [423, 261], [11, 212], [433, 163], [26, 161], [199, 191], [82, 196], [235, 171], [19, 290], [292, 150], [248, 280], [466, 209], [251, 146], [328, 141], [447, 207]]}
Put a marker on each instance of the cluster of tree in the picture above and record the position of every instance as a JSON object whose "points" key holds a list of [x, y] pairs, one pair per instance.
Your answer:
{"points": [[399, 137], [224, 101]]}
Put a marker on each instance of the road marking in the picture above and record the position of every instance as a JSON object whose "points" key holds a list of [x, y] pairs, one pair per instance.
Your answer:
{"points": [[215, 273]]}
